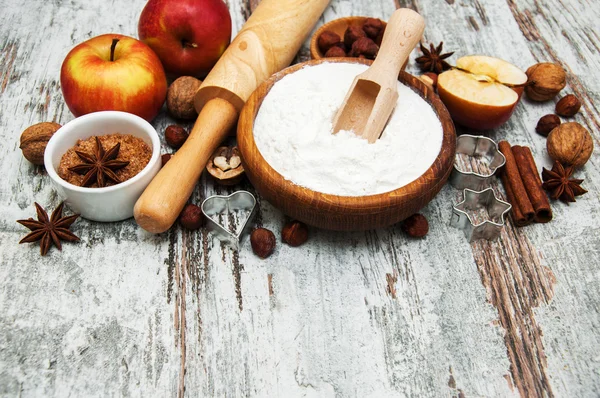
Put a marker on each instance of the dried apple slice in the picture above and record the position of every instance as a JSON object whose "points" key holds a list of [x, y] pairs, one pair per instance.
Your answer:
{"points": [[482, 92]]}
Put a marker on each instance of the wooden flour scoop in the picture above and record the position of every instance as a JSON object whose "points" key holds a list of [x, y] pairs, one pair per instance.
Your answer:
{"points": [[373, 94]]}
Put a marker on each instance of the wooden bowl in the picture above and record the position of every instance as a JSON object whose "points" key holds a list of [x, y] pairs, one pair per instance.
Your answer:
{"points": [[338, 26], [344, 212]]}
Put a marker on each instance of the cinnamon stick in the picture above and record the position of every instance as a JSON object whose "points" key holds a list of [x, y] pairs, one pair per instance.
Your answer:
{"points": [[533, 183], [522, 209]]}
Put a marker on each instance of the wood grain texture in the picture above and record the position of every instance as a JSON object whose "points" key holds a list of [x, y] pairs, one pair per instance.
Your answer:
{"points": [[344, 213], [104, 317]]}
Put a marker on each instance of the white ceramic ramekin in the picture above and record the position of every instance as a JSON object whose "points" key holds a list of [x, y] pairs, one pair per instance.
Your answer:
{"points": [[112, 203]]}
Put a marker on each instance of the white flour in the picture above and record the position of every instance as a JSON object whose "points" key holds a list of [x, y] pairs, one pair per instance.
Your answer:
{"points": [[293, 133]]}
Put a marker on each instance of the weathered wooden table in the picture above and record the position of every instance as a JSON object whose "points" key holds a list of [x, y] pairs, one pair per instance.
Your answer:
{"points": [[359, 314]]}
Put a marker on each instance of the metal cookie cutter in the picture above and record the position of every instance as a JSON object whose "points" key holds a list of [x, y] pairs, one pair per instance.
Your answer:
{"points": [[216, 205], [476, 146], [474, 200]]}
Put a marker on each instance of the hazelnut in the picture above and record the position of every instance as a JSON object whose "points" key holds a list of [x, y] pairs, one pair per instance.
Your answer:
{"points": [[429, 79], [570, 144], [34, 139], [365, 47], [294, 233], [548, 79], [225, 165], [165, 158], [372, 27], [263, 242], [327, 40], [546, 124], [352, 34], [191, 217], [335, 52], [379, 38], [180, 97], [416, 226], [175, 136], [568, 106]]}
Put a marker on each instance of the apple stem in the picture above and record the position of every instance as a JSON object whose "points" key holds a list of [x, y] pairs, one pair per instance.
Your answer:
{"points": [[112, 49], [186, 43]]}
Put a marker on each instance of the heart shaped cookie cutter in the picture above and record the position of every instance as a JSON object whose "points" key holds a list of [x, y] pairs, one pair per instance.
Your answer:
{"points": [[216, 205]]}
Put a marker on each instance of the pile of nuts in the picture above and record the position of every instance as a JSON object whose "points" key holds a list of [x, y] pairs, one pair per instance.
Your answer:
{"points": [[568, 143], [358, 41]]}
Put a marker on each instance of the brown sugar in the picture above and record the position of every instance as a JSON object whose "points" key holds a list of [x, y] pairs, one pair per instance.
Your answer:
{"points": [[133, 150]]}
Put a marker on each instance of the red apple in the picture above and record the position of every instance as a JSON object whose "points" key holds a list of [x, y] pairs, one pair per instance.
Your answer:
{"points": [[127, 77], [483, 93], [188, 36]]}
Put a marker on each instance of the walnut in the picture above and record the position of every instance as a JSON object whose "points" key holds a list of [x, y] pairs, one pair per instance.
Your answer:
{"points": [[416, 226], [546, 124], [327, 40], [372, 27], [225, 165], [294, 233], [570, 144], [365, 47], [180, 97], [34, 140], [175, 136], [568, 106], [352, 34], [548, 79], [191, 217], [335, 52], [263, 242]]}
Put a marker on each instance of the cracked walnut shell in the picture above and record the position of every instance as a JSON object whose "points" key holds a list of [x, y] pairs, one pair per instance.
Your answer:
{"points": [[225, 165]]}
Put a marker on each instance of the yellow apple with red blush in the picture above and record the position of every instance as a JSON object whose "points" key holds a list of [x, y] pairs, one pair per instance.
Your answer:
{"points": [[113, 72]]}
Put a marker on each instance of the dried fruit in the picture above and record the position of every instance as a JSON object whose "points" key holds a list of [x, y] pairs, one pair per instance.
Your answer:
{"points": [[365, 47], [558, 184], [34, 140], [175, 136], [263, 242], [335, 52], [372, 27], [547, 80], [352, 34], [165, 158], [225, 165], [294, 233], [415, 226], [327, 40], [191, 217], [570, 144], [100, 166], [49, 230], [568, 106], [180, 97], [546, 124], [432, 60]]}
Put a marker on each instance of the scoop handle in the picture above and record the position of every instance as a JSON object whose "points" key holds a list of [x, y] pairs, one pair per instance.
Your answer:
{"points": [[404, 30]]}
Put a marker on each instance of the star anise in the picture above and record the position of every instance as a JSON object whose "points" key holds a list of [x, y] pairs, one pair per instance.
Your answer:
{"points": [[432, 60], [49, 230], [100, 166], [558, 184]]}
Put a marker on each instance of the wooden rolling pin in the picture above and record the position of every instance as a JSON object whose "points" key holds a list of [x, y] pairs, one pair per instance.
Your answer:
{"points": [[267, 43]]}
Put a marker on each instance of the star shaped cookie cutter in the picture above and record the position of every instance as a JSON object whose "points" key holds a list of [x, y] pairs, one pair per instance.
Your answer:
{"points": [[473, 200], [216, 205], [476, 146]]}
